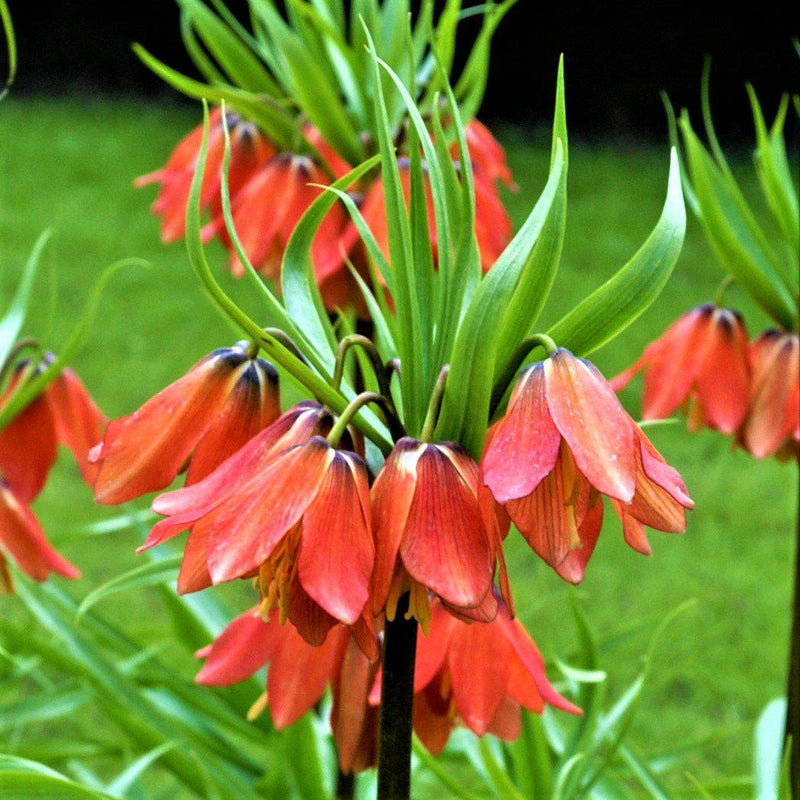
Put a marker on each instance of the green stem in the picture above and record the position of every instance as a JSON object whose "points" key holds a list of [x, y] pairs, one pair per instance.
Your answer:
{"points": [[723, 287], [431, 417], [397, 702], [348, 415], [514, 363], [358, 340]]}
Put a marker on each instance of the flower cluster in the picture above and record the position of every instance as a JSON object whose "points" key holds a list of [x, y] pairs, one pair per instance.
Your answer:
{"points": [[287, 500], [705, 365], [63, 413], [270, 191], [478, 675]]}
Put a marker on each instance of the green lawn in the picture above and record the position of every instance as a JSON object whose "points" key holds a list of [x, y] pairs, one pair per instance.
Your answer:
{"points": [[69, 165]]}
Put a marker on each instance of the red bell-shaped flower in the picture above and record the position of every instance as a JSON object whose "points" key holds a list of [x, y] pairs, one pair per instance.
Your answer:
{"points": [[289, 509], [198, 421], [492, 225], [63, 413], [22, 538], [699, 364], [430, 532], [772, 424], [298, 675], [267, 210], [249, 150], [486, 153], [564, 441], [478, 674]]}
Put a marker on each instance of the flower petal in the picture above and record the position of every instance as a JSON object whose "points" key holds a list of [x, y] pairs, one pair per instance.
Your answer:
{"points": [[478, 659], [145, 451], [392, 494], [525, 442], [445, 546], [242, 649], [248, 525], [78, 422], [252, 405], [596, 427], [298, 675], [337, 552], [22, 538]]}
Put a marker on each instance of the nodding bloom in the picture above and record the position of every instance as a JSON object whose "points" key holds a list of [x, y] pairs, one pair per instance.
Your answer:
{"points": [[479, 675], [486, 154], [772, 424], [564, 441], [196, 422], [267, 209], [492, 225], [335, 163], [298, 675], [22, 538], [249, 150], [700, 364], [63, 413], [288, 509], [431, 533]]}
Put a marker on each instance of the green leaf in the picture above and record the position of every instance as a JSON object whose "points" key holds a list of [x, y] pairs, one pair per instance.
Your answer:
{"points": [[11, 46], [531, 758], [150, 574], [273, 120], [242, 66], [768, 745], [45, 704], [80, 332], [465, 408], [301, 746], [300, 291], [500, 779], [471, 84], [540, 270], [14, 316], [126, 779], [733, 233], [30, 786], [623, 298]]}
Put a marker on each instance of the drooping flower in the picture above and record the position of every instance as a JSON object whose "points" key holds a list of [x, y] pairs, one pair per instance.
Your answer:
{"points": [[22, 538], [267, 210], [298, 675], [288, 509], [700, 364], [479, 675], [564, 441], [492, 224], [63, 413], [201, 419], [430, 532], [335, 163], [486, 153], [772, 424], [249, 151]]}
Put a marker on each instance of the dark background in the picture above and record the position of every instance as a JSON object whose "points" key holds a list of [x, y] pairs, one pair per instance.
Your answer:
{"points": [[618, 57]]}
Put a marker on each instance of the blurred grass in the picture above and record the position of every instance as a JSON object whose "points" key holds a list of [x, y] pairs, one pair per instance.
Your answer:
{"points": [[70, 166]]}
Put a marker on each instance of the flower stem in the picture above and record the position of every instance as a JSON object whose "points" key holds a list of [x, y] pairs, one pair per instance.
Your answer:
{"points": [[397, 699], [793, 684], [345, 785], [515, 362], [429, 426]]}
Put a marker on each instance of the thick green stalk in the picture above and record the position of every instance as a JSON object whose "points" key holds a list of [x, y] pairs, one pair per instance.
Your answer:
{"points": [[397, 698]]}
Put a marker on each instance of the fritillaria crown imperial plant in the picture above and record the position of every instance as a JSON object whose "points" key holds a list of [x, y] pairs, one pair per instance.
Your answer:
{"points": [[344, 172]]}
